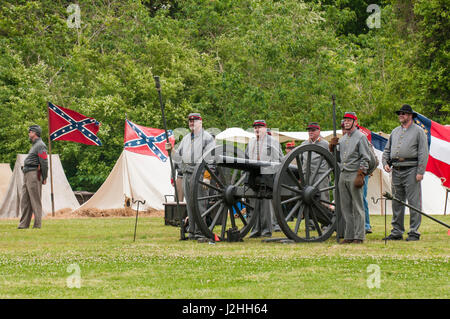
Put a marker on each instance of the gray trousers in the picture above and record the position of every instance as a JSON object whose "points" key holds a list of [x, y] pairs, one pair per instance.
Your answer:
{"points": [[264, 217], [352, 206], [405, 187], [31, 201], [193, 228]]}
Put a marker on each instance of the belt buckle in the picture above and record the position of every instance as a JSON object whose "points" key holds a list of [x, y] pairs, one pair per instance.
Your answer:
{"points": [[401, 159]]}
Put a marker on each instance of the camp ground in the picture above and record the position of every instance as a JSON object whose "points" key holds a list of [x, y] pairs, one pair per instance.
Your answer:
{"points": [[105, 93], [137, 233]]}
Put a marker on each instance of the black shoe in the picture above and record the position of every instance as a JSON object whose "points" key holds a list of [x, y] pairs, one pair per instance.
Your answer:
{"points": [[202, 240], [412, 238], [255, 235], [22, 227], [393, 237], [369, 231]]}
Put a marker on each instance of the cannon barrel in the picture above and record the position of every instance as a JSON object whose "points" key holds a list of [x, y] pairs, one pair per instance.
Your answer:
{"points": [[246, 164], [243, 163]]}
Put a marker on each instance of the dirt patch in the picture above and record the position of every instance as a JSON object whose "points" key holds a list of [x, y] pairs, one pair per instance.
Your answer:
{"points": [[94, 212]]}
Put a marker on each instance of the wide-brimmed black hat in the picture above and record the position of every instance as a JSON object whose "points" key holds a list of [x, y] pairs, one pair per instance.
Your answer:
{"points": [[406, 109]]}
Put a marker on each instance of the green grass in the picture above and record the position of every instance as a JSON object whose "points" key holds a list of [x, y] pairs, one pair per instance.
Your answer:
{"points": [[34, 263]]}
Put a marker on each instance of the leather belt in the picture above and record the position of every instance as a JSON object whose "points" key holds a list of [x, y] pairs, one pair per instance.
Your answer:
{"points": [[402, 168], [401, 159]]}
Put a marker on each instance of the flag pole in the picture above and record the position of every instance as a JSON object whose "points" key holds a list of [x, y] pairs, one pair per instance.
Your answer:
{"points": [[51, 170], [169, 151]]}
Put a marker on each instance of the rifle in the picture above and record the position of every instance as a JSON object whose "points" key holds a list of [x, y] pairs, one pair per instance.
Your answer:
{"points": [[169, 151], [336, 177]]}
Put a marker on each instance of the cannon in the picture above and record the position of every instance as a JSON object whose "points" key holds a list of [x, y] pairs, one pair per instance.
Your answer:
{"points": [[226, 186]]}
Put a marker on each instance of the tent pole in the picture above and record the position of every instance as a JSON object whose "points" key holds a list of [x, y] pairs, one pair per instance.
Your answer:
{"points": [[51, 170]]}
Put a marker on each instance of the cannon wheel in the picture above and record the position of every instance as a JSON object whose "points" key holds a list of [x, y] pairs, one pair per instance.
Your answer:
{"points": [[301, 201], [218, 209]]}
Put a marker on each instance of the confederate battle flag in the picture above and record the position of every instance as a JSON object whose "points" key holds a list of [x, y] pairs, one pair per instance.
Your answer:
{"points": [[146, 140], [68, 125]]}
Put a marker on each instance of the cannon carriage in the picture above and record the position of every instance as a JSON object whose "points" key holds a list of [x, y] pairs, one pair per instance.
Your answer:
{"points": [[227, 185]]}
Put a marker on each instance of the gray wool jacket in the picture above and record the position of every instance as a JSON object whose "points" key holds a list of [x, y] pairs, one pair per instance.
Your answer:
{"points": [[268, 149], [354, 151], [315, 158], [192, 148], [37, 156], [407, 147]]}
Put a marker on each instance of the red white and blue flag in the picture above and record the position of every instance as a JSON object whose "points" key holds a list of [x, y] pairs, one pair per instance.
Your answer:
{"points": [[439, 148], [68, 125], [146, 140], [378, 141]]}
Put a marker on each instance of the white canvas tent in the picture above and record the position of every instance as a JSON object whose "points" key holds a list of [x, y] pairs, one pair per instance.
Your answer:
{"points": [[63, 194], [235, 134], [134, 177], [301, 136], [5, 177]]}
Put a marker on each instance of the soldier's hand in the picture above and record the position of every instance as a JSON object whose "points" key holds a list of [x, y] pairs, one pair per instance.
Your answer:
{"points": [[387, 168], [419, 177], [44, 182], [359, 180], [168, 146], [334, 141]]}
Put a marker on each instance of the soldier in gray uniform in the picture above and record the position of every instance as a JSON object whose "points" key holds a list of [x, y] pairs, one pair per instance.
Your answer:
{"points": [[406, 156], [190, 151], [263, 147], [354, 162], [315, 138], [313, 129], [34, 175]]}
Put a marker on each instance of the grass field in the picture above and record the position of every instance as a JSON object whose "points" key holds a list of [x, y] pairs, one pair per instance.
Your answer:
{"points": [[45, 263]]}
